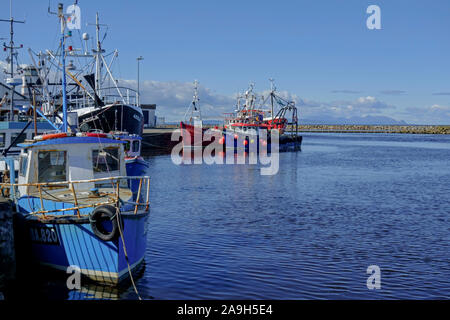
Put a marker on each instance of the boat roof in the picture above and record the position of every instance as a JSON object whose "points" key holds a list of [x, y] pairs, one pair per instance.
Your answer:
{"points": [[6, 125], [71, 140], [128, 136]]}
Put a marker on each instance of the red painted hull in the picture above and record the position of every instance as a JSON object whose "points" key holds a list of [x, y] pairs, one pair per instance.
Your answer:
{"points": [[189, 133]]}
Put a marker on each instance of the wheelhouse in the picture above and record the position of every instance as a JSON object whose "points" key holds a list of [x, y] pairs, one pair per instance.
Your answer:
{"points": [[132, 144], [70, 158]]}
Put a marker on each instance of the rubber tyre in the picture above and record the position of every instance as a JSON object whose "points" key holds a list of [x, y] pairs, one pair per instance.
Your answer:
{"points": [[101, 214]]}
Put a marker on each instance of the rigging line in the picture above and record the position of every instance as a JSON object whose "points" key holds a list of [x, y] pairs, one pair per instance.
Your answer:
{"points": [[125, 252], [81, 41], [52, 196], [104, 36], [102, 148]]}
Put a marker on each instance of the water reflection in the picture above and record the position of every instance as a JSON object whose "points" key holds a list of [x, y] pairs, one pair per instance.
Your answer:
{"points": [[94, 292]]}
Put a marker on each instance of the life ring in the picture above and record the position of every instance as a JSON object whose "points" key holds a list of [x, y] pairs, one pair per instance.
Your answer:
{"points": [[96, 135], [54, 135], [100, 215]]}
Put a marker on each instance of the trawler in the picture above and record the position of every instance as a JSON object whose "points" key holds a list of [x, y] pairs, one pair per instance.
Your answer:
{"points": [[192, 126], [76, 206], [93, 93], [16, 115], [251, 125]]}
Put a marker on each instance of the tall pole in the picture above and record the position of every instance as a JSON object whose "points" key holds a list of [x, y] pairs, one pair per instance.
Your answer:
{"points": [[272, 90], [138, 79], [63, 63], [98, 62], [34, 114], [11, 59]]}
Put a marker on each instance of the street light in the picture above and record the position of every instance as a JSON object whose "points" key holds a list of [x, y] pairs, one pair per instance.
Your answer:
{"points": [[139, 94]]}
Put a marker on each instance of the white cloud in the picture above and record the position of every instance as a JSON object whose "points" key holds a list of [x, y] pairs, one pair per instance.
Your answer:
{"points": [[362, 106], [439, 108], [173, 97], [434, 114]]}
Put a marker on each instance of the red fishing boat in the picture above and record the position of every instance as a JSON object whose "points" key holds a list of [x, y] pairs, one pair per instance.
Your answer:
{"points": [[246, 125], [192, 127]]}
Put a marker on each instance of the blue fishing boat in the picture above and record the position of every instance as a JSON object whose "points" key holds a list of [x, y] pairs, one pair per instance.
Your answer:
{"points": [[134, 163], [76, 206]]}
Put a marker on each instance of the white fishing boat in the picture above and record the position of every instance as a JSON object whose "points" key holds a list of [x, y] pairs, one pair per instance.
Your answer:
{"points": [[93, 93]]}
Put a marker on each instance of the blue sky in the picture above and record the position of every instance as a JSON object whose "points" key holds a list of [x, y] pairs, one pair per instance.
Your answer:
{"points": [[319, 52]]}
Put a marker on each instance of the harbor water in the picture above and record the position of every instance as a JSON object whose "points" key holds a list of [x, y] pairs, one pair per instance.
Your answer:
{"points": [[342, 204]]}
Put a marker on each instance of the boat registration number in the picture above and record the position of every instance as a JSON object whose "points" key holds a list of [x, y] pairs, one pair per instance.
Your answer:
{"points": [[44, 234]]}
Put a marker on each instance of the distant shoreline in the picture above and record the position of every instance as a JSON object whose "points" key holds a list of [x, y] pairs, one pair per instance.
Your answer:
{"points": [[411, 129]]}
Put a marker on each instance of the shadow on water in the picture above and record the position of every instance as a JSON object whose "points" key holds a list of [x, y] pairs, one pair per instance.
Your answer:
{"points": [[40, 283]]}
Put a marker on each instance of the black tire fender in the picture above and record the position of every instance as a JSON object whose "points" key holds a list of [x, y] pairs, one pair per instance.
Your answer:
{"points": [[100, 214]]}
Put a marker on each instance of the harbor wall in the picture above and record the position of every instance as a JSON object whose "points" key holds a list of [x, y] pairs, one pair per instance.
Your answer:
{"points": [[7, 253]]}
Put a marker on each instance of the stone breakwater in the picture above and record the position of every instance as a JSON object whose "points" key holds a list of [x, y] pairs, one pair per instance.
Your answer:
{"points": [[412, 129], [7, 254]]}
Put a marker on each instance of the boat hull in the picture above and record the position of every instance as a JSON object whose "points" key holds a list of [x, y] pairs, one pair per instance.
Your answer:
{"points": [[135, 167], [193, 136], [66, 241], [116, 117], [249, 143]]}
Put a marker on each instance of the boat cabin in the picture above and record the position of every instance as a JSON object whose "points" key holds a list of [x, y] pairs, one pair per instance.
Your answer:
{"points": [[70, 159], [133, 144]]}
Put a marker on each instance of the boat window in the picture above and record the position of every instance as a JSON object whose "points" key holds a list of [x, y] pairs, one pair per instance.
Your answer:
{"points": [[20, 140], [2, 139], [23, 161], [105, 160], [136, 146], [127, 146], [52, 166]]}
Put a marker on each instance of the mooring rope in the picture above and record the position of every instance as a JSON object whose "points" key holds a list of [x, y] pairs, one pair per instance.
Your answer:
{"points": [[125, 252]]}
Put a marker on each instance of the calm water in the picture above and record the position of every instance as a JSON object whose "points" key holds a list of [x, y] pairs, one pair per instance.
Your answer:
{"points": [[345, 202]]}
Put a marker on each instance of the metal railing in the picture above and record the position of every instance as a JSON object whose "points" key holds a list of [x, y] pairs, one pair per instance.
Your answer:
{"points": [[109, 95], [113, 199]]}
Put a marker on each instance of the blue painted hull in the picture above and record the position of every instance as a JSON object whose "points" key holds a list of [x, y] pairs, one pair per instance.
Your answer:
{"points": [[60, 243], [136, 167]]}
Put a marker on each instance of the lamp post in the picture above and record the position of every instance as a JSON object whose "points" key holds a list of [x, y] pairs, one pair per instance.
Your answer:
{"points": [[138, 92]]}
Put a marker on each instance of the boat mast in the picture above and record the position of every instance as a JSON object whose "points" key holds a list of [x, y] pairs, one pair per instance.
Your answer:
{"points": [[11, 58], [272, 92], [194, 107], [195, 101], [97, 56], [62, 19], [249, 99]]}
